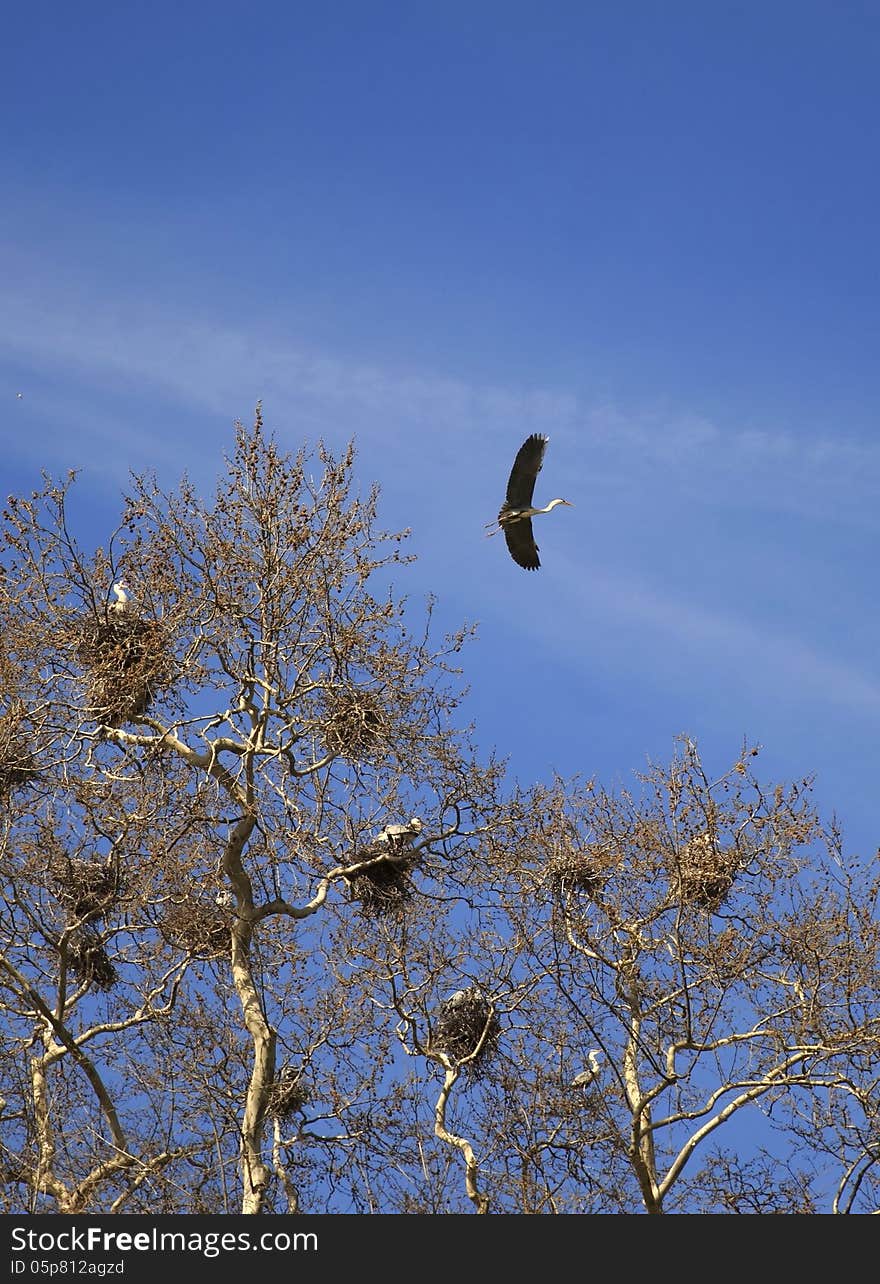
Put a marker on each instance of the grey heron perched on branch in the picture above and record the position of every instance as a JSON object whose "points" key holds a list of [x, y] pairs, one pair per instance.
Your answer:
{"points": [[516, 513], [586, 1077]]}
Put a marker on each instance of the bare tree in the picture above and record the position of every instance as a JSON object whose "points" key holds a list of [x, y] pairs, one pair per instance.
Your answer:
{"points": [[274, 936], [704, 968], [211, 792]]}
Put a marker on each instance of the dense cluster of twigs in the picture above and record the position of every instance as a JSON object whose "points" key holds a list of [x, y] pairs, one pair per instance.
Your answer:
{"points": [[127, 661], [88, 960], [18, 765], [202, 930], [86, 889], [703, 873], [467, 1026], [384, 887], [353, 722], [288, 1093], [579, 868]]}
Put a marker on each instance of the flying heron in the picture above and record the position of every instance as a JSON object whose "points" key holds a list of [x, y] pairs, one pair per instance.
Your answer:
{"points": [[517, 511]]}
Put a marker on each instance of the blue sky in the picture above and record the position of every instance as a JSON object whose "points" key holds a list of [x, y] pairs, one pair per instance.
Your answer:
{"points": [[649, 231]]}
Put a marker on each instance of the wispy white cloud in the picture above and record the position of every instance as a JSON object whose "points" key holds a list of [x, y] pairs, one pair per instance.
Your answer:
{"points": [[212, 368], [702, 644], [149, 385]]}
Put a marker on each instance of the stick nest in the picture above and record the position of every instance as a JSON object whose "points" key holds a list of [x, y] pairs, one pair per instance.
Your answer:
{"points": [[18, 766], [703, 874], [386, 887], [461, 1023], [127, 662], [353, 723], [202, 930], [288, 1093], [583, 869], [85, 888], [88, 960]]}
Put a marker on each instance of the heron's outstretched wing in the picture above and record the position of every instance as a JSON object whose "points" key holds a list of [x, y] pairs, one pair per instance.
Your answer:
{"points": [[521, 544], [526, 466]]}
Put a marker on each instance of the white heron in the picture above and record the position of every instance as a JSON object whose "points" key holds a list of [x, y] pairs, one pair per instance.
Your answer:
{"points": [[455, 1000], [400, 835], [586, 1077], [123, 595], [516, 513]]}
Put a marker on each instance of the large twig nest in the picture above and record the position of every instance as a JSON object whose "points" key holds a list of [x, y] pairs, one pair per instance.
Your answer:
{"points": [[581, 869], [202, 930], [353, 722], [86, 889], [127, 662], [18, 766], [385, 886], [88, 959], [466, 1021], [703, 873], [288, 1093]]}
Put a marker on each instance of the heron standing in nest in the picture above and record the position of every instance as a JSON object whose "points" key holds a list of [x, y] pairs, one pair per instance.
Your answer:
{"points": [[123, 596]]}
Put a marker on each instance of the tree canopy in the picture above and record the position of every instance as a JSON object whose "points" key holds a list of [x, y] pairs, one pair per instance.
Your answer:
{"points": [[278, 935]]}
